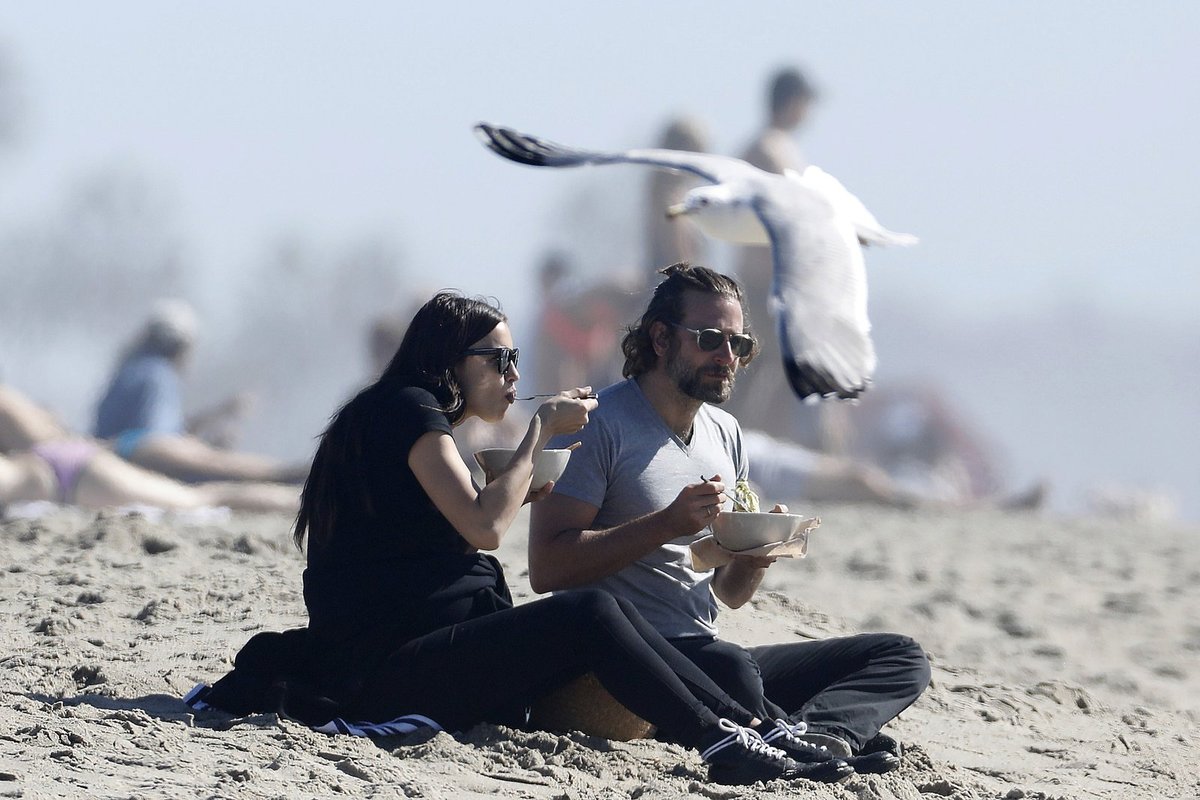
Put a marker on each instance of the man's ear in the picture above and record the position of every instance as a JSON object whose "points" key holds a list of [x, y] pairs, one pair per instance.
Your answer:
{"points": [[660, 337]]}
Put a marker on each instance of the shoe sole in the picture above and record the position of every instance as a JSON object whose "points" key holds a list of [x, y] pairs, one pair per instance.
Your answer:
{"points": [[874, 763], [833, 771]]}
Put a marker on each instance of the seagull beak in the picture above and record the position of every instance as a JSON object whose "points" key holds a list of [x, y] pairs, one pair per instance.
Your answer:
{"points": [[677, 210]]}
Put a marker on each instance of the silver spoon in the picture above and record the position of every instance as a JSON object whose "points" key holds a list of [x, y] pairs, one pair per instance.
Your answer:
{"points": [[738, 504], [555, 394]]}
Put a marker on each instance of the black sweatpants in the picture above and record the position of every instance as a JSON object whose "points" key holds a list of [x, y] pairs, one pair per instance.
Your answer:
{"points": [[848, 686], [486, 668]]}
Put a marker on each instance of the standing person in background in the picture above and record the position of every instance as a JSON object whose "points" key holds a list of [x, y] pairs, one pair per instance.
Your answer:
{"points": [[556, 331], [670, 240], [577, 327], [141, 411], [789, 99], [766, 398]]}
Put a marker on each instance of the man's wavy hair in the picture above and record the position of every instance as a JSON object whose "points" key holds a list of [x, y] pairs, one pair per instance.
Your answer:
{"points": [[667, 306]]}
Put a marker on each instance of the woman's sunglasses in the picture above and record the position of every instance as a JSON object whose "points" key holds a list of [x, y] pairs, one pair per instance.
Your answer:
{"points": [[709, 339], [504, 355]]}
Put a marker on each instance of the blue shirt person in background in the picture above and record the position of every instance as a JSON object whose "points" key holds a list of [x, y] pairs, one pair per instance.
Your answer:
{"points": [[141, 411]]}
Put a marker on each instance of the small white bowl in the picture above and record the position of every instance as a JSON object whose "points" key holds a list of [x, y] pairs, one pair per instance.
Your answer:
{"points": [[548, 465], [746, 530]]}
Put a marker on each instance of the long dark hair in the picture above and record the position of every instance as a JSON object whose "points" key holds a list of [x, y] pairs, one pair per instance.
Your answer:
{"points": [[441, 330], [667, 306]]}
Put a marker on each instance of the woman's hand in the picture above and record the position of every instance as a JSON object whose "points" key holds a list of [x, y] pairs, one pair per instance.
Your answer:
{"points": [[539, 494], [567, 412]]}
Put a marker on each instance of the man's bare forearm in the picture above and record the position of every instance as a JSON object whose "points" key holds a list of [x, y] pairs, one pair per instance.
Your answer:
{"points": [[573, 558], [735, 583]]}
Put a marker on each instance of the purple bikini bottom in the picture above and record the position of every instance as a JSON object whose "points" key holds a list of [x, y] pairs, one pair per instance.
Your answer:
{"points": [[67, 457]]}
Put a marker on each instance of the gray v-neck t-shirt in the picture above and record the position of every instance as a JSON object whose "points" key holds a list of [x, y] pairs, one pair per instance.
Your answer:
{"points": [[631, 464]]}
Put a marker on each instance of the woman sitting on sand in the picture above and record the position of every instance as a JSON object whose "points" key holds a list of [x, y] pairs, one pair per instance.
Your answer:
{"points": [[41, 460], [410, 622]]}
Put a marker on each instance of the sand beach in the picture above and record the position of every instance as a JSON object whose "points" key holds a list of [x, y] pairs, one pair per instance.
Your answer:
{"points": [[1064, 656]]}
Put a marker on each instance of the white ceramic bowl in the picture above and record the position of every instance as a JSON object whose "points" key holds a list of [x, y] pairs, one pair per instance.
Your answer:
{"points": [[547, 464], [746, 530]]}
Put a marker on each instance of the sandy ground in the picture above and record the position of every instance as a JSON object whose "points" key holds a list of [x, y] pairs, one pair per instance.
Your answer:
{"points": [[1064, 652]]}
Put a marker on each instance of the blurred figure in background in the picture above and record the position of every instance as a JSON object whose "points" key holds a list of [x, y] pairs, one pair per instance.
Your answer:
{"points": [[41, 461], [914, 435], [384, 338], [670, 240], [766, 398], [553, 319], [578, 329], [907, 449], [774, 150], [141, 411], [790, 96]]}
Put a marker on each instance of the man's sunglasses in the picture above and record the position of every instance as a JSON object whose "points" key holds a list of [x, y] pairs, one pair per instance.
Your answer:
{"points": [[504, 355], [709, 339]]}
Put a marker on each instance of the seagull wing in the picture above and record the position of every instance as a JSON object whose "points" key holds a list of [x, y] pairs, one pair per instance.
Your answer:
{"points": [[849, 206], [526, 149], [819, 293]]}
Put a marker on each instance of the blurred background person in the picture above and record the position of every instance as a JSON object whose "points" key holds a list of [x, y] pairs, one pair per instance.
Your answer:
{"points": [[577, 328], [141, 410], [554, 325], [791, 473], [765, 398], [669, 240], [40, 460], [383, 339], [915, 435]]}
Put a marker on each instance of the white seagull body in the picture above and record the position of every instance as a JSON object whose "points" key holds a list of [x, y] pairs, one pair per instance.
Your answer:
{"points": [[815, 228]]}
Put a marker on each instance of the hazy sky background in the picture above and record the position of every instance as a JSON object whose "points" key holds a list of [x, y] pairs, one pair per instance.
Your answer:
{"points": [[1044, 152]]}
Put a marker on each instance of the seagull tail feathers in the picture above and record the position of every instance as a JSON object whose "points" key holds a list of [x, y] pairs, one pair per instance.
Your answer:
{"points": [[885, 238]]}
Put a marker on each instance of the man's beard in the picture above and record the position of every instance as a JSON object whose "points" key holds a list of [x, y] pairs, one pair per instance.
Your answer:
{"points": [[700, 384]]}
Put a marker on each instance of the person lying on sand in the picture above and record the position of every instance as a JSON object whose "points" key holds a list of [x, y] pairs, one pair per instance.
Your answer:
{"points": [[782, 468], [411, 623], [41, 460], [141, 411], [633, 499]]}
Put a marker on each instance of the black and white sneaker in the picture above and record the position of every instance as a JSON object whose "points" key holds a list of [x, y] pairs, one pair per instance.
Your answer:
{"points": [[741, 757], [816, 748]]}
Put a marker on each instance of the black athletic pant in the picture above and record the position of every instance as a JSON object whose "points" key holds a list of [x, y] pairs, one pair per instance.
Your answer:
{"points": [[483, 669], [848, 686]]}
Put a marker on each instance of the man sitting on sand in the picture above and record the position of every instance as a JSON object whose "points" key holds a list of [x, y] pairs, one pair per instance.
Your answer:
{"points": [[650, 477]]}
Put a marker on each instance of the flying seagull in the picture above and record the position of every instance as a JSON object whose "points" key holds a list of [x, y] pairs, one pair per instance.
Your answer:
{"points": [[814, 225]]}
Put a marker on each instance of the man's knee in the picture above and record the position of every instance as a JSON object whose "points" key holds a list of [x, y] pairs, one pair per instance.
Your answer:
{"points": [[725, 659], [906, 650]]}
